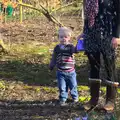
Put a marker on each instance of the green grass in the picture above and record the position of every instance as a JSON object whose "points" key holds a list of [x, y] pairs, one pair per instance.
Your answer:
{"points": [[29, 63]]}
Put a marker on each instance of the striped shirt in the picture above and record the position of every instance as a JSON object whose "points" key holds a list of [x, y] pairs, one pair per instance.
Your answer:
{"points": [[63, 57]]}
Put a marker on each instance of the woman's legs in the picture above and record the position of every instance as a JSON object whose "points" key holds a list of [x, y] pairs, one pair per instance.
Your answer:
{"points": [[94, 81], [111, 76], [94, 60]]}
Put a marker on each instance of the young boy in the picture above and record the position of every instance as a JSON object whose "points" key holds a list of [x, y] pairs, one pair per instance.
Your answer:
{"points": [[64, 60]]}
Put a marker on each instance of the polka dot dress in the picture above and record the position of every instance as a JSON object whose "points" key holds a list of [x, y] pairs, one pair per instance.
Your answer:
{"points": [[98, 36]]}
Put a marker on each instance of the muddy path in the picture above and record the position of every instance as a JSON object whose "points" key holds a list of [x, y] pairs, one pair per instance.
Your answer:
{"points": [[38, 29]]}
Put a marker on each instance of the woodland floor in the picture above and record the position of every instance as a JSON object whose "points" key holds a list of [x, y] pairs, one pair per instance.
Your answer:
{"points": [[28, 90]]}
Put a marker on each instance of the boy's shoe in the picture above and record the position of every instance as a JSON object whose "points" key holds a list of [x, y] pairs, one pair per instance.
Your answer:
{"points": [[63, 103], [75, 100], [87, 106]]}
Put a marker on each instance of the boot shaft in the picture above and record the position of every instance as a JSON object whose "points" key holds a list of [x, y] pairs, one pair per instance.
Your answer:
{"points": [[94, 90], [111, 93]]}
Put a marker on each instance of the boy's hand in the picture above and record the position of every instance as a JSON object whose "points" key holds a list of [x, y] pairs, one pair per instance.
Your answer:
{"points": [[50, 68], [49, 73]]}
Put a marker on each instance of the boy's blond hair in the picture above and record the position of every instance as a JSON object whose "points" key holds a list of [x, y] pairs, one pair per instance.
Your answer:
{"points": [[65, 31]]}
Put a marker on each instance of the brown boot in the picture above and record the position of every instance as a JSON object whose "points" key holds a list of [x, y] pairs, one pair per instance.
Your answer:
{"points": [[109, 106], [110, 98], [94, 92]]}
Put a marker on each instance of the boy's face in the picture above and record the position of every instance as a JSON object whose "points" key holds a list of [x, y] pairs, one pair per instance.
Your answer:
{"points": [[64, 38]]}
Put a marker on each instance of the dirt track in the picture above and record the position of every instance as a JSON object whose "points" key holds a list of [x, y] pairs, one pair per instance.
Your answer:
{"points": [[39, 29]]}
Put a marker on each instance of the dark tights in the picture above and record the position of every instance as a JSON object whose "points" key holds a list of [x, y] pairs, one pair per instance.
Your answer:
{"points": [[94, 60]]}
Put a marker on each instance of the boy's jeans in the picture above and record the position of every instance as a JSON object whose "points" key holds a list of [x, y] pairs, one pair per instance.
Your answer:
{"points": [[67, 80]]}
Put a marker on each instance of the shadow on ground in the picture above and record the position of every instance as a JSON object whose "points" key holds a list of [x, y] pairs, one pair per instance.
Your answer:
{"points": [[34, 71], [48, 110], [37, 73], [34, 110]]}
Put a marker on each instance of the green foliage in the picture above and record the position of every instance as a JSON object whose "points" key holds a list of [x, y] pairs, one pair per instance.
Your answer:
{"points": [[80, 88], [83, 99], [2, 85]]}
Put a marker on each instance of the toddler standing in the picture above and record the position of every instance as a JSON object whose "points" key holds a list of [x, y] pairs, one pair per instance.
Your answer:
{"points": [[63, 59]]}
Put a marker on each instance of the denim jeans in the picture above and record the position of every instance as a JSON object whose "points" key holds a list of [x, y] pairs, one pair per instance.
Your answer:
{"points": [[67, 80]]}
